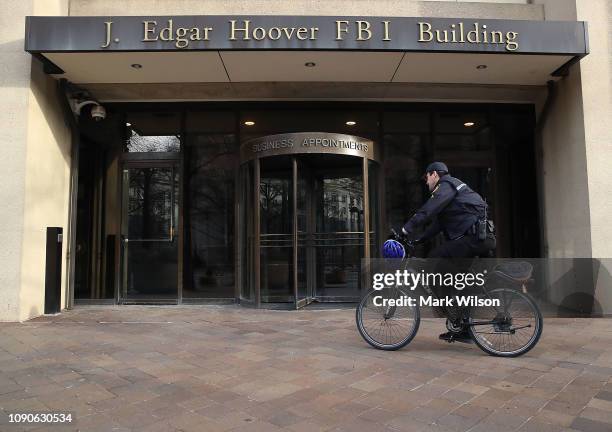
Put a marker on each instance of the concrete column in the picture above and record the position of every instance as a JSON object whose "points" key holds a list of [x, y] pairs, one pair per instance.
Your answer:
{"points": [[577, 139], [596, 88], [564, 167], [35, 165], [47, 174], [596, 81], [14, 95], [577, 176]]}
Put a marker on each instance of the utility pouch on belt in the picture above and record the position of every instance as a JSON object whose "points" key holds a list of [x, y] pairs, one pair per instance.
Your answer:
{"points": [[481, 229]]}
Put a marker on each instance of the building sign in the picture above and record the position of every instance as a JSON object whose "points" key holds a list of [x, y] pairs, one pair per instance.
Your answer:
{"points": [[215, 32], [309, 143]]}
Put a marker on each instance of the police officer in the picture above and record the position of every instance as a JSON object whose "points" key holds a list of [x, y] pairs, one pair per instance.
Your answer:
{"points": [[457, 211]]}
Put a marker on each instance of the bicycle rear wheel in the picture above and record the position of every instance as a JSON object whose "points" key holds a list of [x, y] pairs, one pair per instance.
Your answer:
{"points": [[508, 330], [386, 327]]}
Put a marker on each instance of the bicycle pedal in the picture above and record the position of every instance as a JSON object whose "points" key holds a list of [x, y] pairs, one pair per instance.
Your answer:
{"points": [[457, 338]]}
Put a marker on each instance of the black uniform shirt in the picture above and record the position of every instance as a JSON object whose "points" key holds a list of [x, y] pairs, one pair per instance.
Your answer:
{"points": [[453, 208]]}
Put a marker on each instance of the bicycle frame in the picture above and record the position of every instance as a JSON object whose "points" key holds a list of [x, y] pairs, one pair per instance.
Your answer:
{"points": [[390, 310]]}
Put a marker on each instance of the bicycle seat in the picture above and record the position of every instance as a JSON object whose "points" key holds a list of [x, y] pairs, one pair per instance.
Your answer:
{"points": [[519, 271]]}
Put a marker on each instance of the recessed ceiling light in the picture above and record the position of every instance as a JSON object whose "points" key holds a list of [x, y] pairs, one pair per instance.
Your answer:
{"points": [[481, 67], [468, 124], [136, 65], [128, 124], [351, 123], [249, 123], [310, 64]]}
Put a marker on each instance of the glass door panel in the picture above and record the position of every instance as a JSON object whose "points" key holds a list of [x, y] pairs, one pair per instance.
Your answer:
{"points": [[374, 209], [247, 233], [276, 230], [339, 231], [305, 223], [307, 228], [150, 247]]}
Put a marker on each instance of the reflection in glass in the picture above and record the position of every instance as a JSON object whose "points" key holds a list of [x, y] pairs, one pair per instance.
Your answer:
{"points": [[304, 231], [405, 159], [163, 143], [247, 289], [150, 247], [152, 132], [150, 202], [209, 214], [276, 219], [94, 251], [152, 270], [274, 199], [339, 233], [414, 134], [373, 207], [345, 214]]}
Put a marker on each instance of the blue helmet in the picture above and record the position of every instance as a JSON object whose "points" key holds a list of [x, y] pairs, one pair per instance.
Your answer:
{"points": [[393, 249]]}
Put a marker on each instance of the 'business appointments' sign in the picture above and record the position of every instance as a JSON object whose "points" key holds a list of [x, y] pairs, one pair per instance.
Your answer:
{"points": [[307, 143], [215, 32]]}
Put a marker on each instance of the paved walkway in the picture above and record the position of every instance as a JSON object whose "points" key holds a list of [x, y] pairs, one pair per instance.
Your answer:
{"points": [[228, 368]]}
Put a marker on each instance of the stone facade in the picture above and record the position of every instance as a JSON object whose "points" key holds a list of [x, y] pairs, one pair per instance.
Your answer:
{"points": [[35, 187]]}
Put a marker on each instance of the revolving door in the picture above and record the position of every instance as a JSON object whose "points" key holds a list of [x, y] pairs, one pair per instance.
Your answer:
{"points": [[309, 213]]}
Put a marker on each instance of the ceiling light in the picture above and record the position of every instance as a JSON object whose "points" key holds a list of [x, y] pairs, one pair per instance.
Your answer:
{"points": [[481, 67], [310, 64], [351, 123], [468, 124], [136, 65], [128, 124], [249, 123]]}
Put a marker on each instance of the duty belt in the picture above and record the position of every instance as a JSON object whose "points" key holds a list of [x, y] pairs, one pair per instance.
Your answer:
{"points": [[470, 231]]}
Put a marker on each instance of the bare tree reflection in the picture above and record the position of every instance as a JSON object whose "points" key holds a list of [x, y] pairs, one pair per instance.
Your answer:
{"points": [[275, 205], [210, 163], [148, 143], [150, 203], [342, 206]]}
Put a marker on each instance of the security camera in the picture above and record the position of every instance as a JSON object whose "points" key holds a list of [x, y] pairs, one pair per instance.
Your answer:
{"points": [[98, 113]]}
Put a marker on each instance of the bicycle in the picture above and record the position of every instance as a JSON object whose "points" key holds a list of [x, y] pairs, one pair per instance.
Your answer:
{"points": [[508, 330]]}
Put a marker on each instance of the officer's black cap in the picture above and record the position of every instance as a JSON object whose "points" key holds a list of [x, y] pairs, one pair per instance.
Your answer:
{"points": [[436, 166]]}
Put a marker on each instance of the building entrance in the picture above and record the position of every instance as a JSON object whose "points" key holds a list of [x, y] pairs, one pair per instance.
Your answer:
{"points": [[148, 232], [307, 235], [207, 203]]}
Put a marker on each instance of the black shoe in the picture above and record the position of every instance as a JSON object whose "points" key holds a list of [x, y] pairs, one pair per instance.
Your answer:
{"points": [[463, 337]]}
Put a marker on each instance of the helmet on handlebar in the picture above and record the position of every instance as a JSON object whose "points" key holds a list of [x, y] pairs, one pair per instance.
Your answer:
{"points": [[393, 249]]}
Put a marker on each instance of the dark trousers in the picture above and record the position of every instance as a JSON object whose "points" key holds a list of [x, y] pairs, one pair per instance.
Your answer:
{"points": [[463, 250], [467, 246]]}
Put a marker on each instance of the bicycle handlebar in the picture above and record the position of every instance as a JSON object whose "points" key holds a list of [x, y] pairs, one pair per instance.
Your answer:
{"points": [[403, 240]]}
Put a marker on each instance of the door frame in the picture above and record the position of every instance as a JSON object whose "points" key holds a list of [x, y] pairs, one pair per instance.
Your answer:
{"points": [[363, 166], [310, 222], [149, 160], [300, 169]]}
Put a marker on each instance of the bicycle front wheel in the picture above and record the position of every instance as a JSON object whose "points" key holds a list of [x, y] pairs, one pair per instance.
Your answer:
{"points": [[510, 329], [384, 326]]}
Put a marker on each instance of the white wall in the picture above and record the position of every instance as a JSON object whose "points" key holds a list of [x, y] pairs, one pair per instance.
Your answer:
{"points": [[596, 88], [47, 169], [33, 167], [14, 89]]}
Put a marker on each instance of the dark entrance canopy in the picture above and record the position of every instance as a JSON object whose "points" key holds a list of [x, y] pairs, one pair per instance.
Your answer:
{"points": [[189, 49]]}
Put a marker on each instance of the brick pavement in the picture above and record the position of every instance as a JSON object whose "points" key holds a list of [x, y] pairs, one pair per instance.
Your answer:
{"points": [[207, 368]]}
